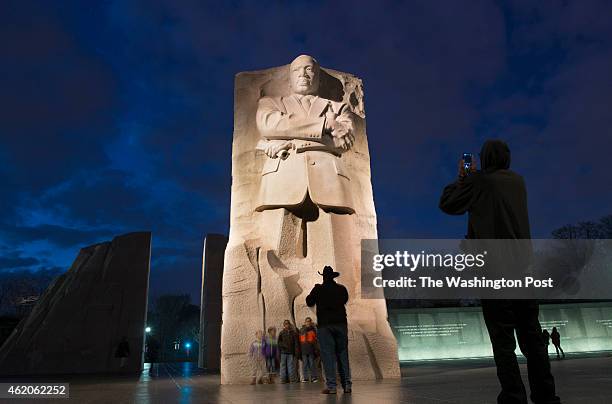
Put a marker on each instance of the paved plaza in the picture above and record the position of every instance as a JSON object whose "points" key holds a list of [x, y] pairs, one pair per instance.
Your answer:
{"points": [[579, 380]]}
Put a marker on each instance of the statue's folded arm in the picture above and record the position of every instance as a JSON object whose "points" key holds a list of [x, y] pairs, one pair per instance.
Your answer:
{"points": [[273, 124]]}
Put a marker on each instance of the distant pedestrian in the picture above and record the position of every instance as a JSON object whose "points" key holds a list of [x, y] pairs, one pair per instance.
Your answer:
{"points": [[289, 348], [332, 332], [555, 337], [153, 351], [271, 353], [546, 338], [123, 351], [258, 359], [309, 350]]}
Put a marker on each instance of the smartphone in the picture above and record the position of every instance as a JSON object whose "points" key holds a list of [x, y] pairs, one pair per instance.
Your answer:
{"points": [[467, 162]]}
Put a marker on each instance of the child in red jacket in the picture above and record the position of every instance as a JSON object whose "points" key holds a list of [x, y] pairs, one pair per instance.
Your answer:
{"points": [[309, 349]]}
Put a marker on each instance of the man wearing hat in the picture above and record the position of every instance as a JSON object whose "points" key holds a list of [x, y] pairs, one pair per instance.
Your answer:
{"points": [[330, 298]]}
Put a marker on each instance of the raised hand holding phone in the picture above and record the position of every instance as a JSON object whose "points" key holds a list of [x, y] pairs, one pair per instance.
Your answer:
{"points": [[467, 165]]}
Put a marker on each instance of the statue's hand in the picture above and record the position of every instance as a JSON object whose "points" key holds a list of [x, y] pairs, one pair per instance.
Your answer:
{"points": [[344, 132], [330, 121], [275, 146], [349, 140], [340, 130], [345, 142]]}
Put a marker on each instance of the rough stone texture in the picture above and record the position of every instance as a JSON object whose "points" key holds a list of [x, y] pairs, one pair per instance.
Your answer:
{"points": [[80, 319], [269, 265], [211, 306]]}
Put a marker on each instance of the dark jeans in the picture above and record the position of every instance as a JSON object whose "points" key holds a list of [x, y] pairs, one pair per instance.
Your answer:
{"points": [[558, 347], [309, 369], [503, 318], [287, 367], [271, 365], [333, 340]]}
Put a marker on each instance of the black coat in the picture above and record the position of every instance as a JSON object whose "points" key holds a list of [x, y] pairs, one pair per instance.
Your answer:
{"points": [[555, 337], [495, 198], [123, 349], [330, 298], [288, 342]]}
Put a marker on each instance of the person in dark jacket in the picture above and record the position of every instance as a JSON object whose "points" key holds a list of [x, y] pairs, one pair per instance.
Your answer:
{"points": [[289, 348], [495, 199], [330, 298], [555, 337], [123, 351]]}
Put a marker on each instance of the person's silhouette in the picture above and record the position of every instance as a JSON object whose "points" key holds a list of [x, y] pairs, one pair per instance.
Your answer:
{"points": [[555, 337], [496, 201], [123, 351], [330, 298]]}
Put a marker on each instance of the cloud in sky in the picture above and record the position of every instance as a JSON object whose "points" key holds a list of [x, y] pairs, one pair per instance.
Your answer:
{"points": [[117, 116]]}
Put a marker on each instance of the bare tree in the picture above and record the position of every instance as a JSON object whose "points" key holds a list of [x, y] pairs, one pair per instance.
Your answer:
{"points": [[168, 309], [589, 230], [566, 232], [606, 226], [20, 284]]}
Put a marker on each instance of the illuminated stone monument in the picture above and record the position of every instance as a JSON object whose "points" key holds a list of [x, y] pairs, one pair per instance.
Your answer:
{"points": [[301, 199]]}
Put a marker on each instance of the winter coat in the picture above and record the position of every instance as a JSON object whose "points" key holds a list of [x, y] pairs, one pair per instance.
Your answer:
{"points": [[330, 298], [308, 340], [288, 342]]}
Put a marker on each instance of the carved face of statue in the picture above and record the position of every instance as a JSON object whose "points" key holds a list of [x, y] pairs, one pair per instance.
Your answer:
{"points": [[304, 75]]}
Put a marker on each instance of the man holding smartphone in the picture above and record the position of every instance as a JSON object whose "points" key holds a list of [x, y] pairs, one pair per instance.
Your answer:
{"points": [[495, 199]]}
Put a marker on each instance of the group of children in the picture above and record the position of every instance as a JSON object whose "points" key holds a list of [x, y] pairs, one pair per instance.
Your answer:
{"points": [[268, 353]]}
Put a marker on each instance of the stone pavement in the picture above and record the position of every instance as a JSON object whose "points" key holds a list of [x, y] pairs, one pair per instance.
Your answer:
{"points": [[579, 380]]}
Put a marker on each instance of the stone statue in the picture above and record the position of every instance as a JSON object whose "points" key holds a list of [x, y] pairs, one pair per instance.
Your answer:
{"points": [[304, 136], [301, 200]]}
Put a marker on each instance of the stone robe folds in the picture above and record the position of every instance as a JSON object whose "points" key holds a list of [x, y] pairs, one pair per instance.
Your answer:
{"points": [[314, 165]]}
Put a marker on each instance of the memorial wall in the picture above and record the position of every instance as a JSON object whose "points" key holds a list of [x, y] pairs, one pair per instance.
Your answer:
{"points": [[460, 332]]}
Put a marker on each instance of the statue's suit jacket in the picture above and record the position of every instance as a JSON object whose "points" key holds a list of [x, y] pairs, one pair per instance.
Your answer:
{"points": [[314, 166]]}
